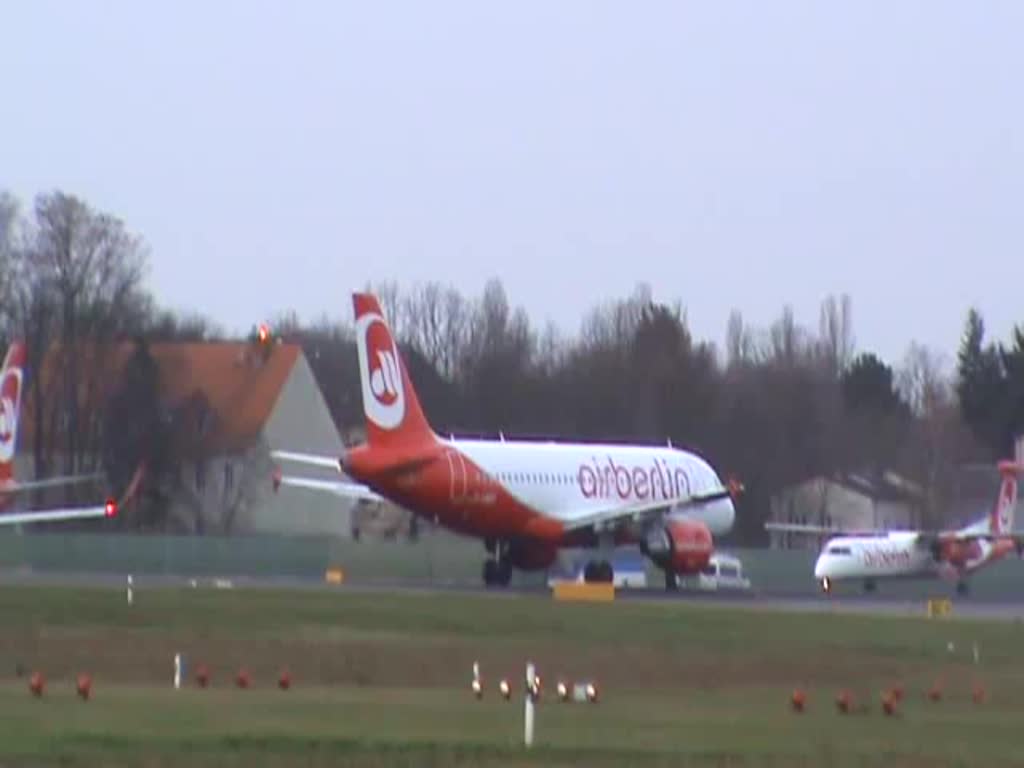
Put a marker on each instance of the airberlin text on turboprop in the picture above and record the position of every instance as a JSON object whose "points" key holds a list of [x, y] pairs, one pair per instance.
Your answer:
{"points": [[606, 479], [883, 558]]}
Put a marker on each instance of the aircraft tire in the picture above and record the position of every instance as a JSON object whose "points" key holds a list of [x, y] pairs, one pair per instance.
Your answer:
{"points": [[598, 571], [490, 572]]}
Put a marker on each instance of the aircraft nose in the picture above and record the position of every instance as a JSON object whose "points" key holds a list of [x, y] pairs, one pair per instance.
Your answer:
{"points": [[821, 569], [729, 512]]}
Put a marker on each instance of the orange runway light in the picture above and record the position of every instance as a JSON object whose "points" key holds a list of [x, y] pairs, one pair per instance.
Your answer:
{"points": [[844, 702], [888, 703], [37, 684], [284, 680], [202, 676], [798, 700], [242, 680], [84, 686]]}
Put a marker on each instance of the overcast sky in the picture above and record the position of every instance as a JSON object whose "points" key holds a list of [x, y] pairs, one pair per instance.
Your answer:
{"points": [[733, 155]]}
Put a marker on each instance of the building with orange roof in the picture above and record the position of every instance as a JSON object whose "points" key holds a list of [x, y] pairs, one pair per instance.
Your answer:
{"points": [[239, 399]]}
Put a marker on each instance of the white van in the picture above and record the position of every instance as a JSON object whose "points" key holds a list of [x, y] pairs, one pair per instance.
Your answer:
{"points": [[722, 572]]}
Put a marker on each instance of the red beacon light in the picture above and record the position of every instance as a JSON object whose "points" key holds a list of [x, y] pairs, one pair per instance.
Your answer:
{"points": [[263, 333], [110, 509]]}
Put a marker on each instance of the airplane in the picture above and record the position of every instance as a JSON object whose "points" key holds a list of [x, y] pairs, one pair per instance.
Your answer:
{"points": [[871, 555], [11, 382], [524, 499]]}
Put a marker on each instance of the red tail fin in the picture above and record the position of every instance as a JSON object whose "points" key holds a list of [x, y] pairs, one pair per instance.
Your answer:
{"points": [[1001, 520], [11, 377], [392, 410]]}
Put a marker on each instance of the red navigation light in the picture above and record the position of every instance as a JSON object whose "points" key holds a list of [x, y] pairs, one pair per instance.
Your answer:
{"points": [[736, 487], [110, 510], [263, 333]]}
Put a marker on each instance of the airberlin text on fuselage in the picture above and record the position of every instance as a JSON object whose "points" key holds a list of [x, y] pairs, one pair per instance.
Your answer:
{"points": [[882, 558], [606, 479]]}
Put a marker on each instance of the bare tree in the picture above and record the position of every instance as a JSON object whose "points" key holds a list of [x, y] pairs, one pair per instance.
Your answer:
{"points": [[940, 438], [836, 333], [392, 305], [922, 380], [739, 341], [244, 484], [80, 277], [786, 339], [9, 219]]}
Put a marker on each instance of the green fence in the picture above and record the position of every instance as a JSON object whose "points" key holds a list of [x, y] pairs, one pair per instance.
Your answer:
{"points": [[436, 558]]}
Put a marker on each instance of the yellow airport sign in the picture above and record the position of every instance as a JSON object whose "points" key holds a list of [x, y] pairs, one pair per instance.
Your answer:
{"points": [[575, 590]]}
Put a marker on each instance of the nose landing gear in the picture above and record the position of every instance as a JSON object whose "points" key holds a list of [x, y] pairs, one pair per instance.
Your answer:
{"points": [[826, 585]]}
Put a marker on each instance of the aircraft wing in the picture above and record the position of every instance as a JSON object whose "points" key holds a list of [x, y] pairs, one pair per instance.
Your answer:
{"points": [[307, 458], [18, 486], [821, 529], [337, 487], [46, 515], [637, 512]]}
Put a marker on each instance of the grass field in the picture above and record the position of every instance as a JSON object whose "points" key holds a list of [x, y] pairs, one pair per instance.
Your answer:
{"points": [[384, 680]]}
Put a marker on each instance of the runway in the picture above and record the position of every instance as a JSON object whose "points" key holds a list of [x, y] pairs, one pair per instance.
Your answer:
{"points": [[965, 607]]}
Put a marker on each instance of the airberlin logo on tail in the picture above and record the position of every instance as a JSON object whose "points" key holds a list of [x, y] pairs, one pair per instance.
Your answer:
{"points": [[10, 393], [383, 393], [1003, 520]]}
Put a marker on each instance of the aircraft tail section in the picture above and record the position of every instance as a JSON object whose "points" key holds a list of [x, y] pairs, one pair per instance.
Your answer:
{"points": [[11, 378], [1002, 517], [392, 410]]}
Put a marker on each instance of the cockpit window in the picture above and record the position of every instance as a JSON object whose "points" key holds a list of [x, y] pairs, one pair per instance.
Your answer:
{"points": [[838, 550]]}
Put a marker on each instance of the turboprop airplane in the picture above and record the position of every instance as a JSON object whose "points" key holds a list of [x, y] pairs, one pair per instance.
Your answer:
{"points": [[871, 556], [524, 499], [11, 379]]}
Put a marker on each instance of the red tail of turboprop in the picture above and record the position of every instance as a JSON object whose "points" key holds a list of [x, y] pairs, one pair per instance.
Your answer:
{"points": [[11, 377], [1001, 519], [393, 414]]}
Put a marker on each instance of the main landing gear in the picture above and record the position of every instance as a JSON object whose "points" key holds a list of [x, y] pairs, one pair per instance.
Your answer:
{"points": [[497, 573], [497, 569], [598, 571], [961, 588]]}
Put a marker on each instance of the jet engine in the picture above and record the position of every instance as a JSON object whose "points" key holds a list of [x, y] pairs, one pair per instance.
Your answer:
{"points": [[954, 552], [680, 546]]}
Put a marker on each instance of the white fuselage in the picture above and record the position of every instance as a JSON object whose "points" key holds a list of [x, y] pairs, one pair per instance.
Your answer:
{"points": [[886, 556], [568, 481]]}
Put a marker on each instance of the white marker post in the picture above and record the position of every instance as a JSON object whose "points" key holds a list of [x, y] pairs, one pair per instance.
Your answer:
{"points": [[129, 589], [528, 724], [177, 671]]}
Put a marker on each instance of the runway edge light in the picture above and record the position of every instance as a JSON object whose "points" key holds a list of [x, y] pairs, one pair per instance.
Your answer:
{"points": [[477, 685], [530, 697]]}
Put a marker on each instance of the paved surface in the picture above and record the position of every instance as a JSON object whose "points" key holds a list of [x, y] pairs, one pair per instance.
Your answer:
{"points": [[964, 607]]}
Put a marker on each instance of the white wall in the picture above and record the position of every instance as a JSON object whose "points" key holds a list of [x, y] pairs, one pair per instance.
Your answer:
{"points": [[302, 422], [822, 502]]}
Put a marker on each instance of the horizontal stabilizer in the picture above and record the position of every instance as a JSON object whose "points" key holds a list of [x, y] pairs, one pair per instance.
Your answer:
{"points": [[50, 515], [307, 458], [338, 488], [20, 486]]}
